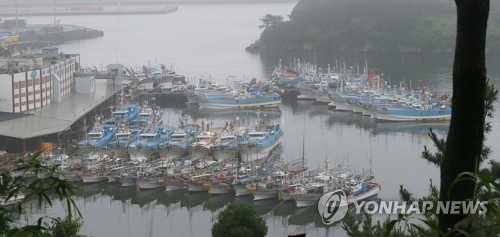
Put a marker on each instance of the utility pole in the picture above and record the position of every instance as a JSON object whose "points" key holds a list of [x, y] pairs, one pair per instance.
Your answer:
{"points": [[54, 12], [17, 2]]}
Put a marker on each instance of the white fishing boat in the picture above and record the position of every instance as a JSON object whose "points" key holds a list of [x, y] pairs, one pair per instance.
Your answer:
{"points": [[202, 145], [225, 147], [127, 182], [242, 190], [150, 183], [363, 191], [263, 194], [220, 188], [198, 183], [173, 185], [90, 179], [196, 187], [240, 97], [113, 179]]}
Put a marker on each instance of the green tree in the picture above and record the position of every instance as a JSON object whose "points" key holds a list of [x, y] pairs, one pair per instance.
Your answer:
{"points": [[48, 186], [269, 20], [64, 228], [460, 155], [239, 220]]}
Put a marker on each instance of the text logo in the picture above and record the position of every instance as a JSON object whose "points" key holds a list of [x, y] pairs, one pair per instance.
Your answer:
{"points": [[332, 207]]}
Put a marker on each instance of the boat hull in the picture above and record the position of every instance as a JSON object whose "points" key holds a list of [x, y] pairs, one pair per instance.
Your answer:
{"points": [[207, 105], [285, 196], [370, 193], [264, 194], [219, 189], [221, 155], [196, 187], [127, 182], [112, 179], [305, 200], [254, 153], [386, 117], [199, 153], [94, 179], [174, 186], [241, 190], [149, 184]]}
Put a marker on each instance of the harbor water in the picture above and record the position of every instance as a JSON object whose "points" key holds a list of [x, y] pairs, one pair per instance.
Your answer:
{"points": [[202, 41]]}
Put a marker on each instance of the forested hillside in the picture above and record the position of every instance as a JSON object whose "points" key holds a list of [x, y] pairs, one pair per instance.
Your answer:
{"points": [[370, 25]]}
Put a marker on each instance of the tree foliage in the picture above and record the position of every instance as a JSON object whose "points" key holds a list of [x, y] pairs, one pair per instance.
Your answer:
{"points": [[42, 184], [239, 220], [64, 228], [270, 20], [371, 25], [460, 156]]}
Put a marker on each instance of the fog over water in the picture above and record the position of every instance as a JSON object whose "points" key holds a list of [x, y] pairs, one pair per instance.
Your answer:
{"points": [[209, 40]]}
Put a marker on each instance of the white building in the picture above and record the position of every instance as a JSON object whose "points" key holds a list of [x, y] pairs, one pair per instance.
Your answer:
{"points": [[35, 88]]}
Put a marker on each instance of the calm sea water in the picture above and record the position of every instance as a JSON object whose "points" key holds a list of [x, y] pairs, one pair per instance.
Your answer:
{"points": [[209, 40]]}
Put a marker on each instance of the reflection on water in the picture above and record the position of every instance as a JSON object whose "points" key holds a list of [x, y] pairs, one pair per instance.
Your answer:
{"points": [[335, 136], [337, 118], [194, 199]]}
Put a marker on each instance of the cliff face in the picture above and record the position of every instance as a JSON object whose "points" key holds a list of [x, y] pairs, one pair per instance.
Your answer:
{"points": [[371, 25]]}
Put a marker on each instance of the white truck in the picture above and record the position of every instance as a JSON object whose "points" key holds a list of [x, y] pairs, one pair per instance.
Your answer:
{"points": [[146, 86], [166, 86], [179, 88]]}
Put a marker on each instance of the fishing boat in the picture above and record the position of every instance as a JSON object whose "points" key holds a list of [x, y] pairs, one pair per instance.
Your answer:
{"points": [[241, 102], [150, 183], [126, 113], [108, 135], [363, 190], [145, 115], [241, 96], [90, 179], [164, 133], [220, 188], [201, 147], [99, 136], [259, 143], [147, 136], [242, 188], [415, 113], [127, 181], [126, 136], [263, 193], [180, 140], [174, 185], [199, 183], [225, 147]]}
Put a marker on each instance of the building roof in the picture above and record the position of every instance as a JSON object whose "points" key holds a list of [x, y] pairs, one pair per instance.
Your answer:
{"points": [[55, 117]]}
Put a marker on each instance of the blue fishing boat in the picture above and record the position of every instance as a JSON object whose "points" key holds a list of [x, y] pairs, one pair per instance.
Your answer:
{"points": [[254, 101], [126, 113], [414, 113], [99, 136], [126, 135], [164, 134], [259, 143], [180, 140], [147, 136]]}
